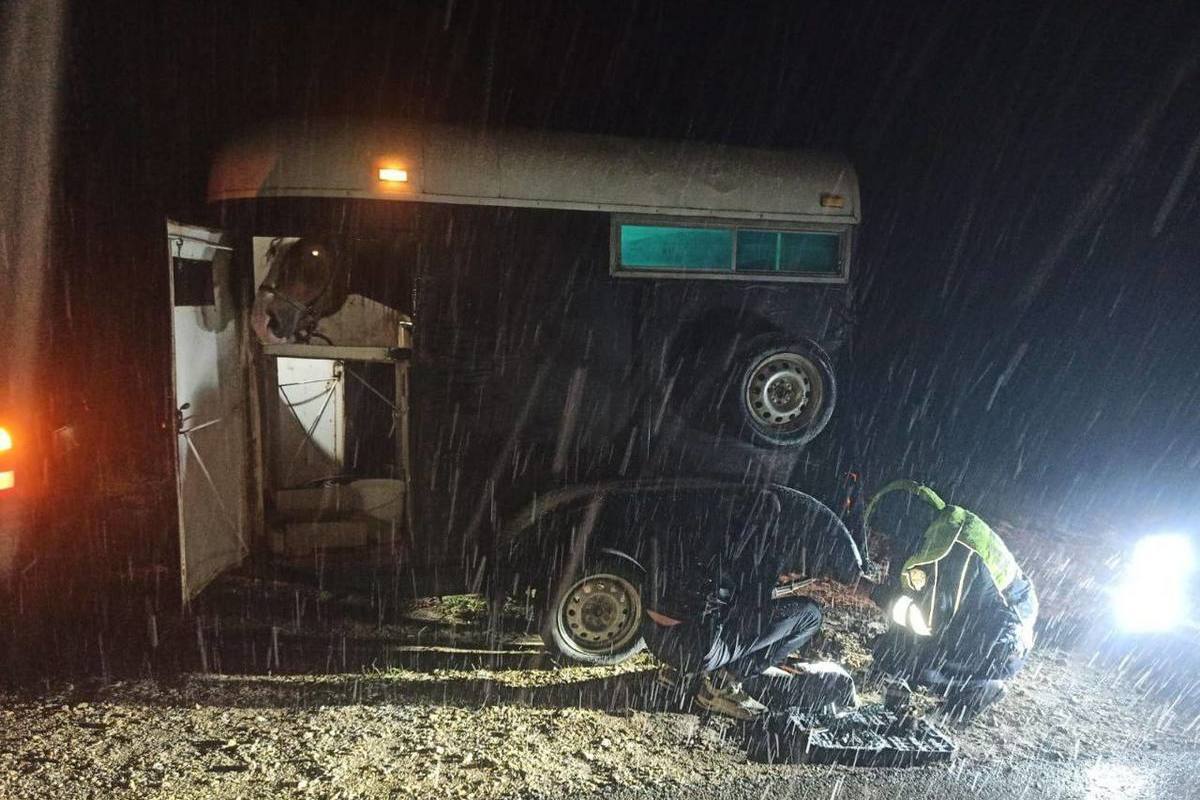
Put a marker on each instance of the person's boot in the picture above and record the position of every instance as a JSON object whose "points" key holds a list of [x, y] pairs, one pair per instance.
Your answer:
{"points": [[964, 705], [721, 693]]}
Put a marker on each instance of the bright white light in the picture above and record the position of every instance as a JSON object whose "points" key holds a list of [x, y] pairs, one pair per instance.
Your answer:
{"points": [[1166, 552], [916, 621], [900, 610], [906, 614], [1152, 597], [1149, 609]]}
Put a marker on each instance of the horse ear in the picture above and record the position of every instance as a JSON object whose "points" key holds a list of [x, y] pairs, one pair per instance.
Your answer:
{"points": [[271, 259]]}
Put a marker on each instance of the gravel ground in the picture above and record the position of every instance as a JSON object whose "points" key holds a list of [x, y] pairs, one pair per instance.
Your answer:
{"points": [[580, 732], [1077, 724]]}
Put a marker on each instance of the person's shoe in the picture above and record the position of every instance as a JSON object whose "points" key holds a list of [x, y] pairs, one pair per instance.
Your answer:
{"points": [[777, 672], [721, 693]]}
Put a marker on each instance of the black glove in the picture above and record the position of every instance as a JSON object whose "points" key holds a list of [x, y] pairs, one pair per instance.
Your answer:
{"points": [[882, 595]]}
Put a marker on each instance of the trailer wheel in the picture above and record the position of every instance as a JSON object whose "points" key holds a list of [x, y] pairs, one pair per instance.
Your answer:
{"points": [[787, 391], [596, 615]]}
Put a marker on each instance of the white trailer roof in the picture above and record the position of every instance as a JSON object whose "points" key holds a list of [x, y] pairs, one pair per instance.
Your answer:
{"points": [[537, 169]]}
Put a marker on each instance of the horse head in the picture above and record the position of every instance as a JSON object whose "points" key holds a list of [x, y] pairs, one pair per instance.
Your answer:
{"points": [[304, 283]]}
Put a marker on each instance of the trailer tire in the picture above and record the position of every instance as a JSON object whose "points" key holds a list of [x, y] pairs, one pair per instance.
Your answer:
{"points": [[594, 617], [786, 393]]}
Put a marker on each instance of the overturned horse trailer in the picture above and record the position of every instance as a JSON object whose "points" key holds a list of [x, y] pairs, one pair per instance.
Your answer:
{"points": [[418, 345]]}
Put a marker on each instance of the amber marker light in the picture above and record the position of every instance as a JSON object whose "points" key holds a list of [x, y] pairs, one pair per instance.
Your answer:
{"points": [[393, 175], [8, 477], [829, 200]]}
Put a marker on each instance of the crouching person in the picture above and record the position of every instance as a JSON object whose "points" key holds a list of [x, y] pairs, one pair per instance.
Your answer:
{"points": [[961, 612], [713, 617]]}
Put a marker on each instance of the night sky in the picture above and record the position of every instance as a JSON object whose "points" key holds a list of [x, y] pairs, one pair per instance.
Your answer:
{"points": [[1026, 272]]}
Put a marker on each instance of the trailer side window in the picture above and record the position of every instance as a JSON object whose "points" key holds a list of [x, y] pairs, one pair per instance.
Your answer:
{"points": [[729, 251], [661, 247], [776, 251]]}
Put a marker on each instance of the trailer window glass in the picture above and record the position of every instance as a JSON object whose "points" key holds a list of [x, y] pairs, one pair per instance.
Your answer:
{"points": [[777, 251], [727, 251], [660, 247]]}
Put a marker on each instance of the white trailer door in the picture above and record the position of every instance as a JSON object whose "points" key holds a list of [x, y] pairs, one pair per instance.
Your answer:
{"points": [[209, 376]]}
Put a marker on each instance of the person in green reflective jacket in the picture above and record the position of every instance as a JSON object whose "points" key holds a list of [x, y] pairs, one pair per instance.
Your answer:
{"points": [[961, 612]]}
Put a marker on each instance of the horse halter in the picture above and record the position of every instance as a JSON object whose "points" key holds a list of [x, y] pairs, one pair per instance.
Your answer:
{"points": [[306, 317]]}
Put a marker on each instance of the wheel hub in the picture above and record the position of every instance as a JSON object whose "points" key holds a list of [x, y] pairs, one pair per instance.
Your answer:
{"points": [[780, 390], [601, 612]]}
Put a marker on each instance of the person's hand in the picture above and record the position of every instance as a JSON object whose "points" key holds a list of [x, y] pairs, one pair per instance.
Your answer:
{"points": [[874, 572]]}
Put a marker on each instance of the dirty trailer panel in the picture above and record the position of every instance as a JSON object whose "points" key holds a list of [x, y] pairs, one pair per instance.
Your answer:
{"points": [[566, 310], [537, 369]]}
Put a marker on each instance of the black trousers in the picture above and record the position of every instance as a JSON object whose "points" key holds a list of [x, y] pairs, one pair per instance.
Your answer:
{"points": [[989, 651], [985, 648], [742, 641], [940, 666]]}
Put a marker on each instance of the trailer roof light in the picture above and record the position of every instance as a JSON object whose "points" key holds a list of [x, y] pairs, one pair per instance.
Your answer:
{"points": [[6, 442], [8, 479], [830, 200], [393, 175]]}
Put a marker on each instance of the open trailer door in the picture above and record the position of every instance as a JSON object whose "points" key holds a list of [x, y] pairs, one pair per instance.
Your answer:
{"points": [[211, 401]]}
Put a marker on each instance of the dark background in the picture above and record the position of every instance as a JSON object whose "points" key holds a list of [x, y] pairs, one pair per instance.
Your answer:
{"points": [[1027, 268]]}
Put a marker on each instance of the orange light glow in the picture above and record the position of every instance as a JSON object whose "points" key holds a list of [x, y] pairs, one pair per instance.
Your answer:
{"points": [[8, 479], [393, 175], [830, 200], [6, 442]]}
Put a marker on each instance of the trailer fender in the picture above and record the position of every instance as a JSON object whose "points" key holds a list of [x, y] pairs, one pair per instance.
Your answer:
{"points": [[622, 556]]}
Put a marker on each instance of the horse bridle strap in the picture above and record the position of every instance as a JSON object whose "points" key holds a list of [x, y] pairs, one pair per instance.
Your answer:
{"points": [[307, 315], [307, 308]]}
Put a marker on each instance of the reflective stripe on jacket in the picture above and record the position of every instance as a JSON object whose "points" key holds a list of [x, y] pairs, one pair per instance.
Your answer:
{"points": [[930, 569]]}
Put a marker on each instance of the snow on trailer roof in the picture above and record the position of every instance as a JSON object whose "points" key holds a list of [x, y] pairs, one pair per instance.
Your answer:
{"points": [[537, 169]]}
